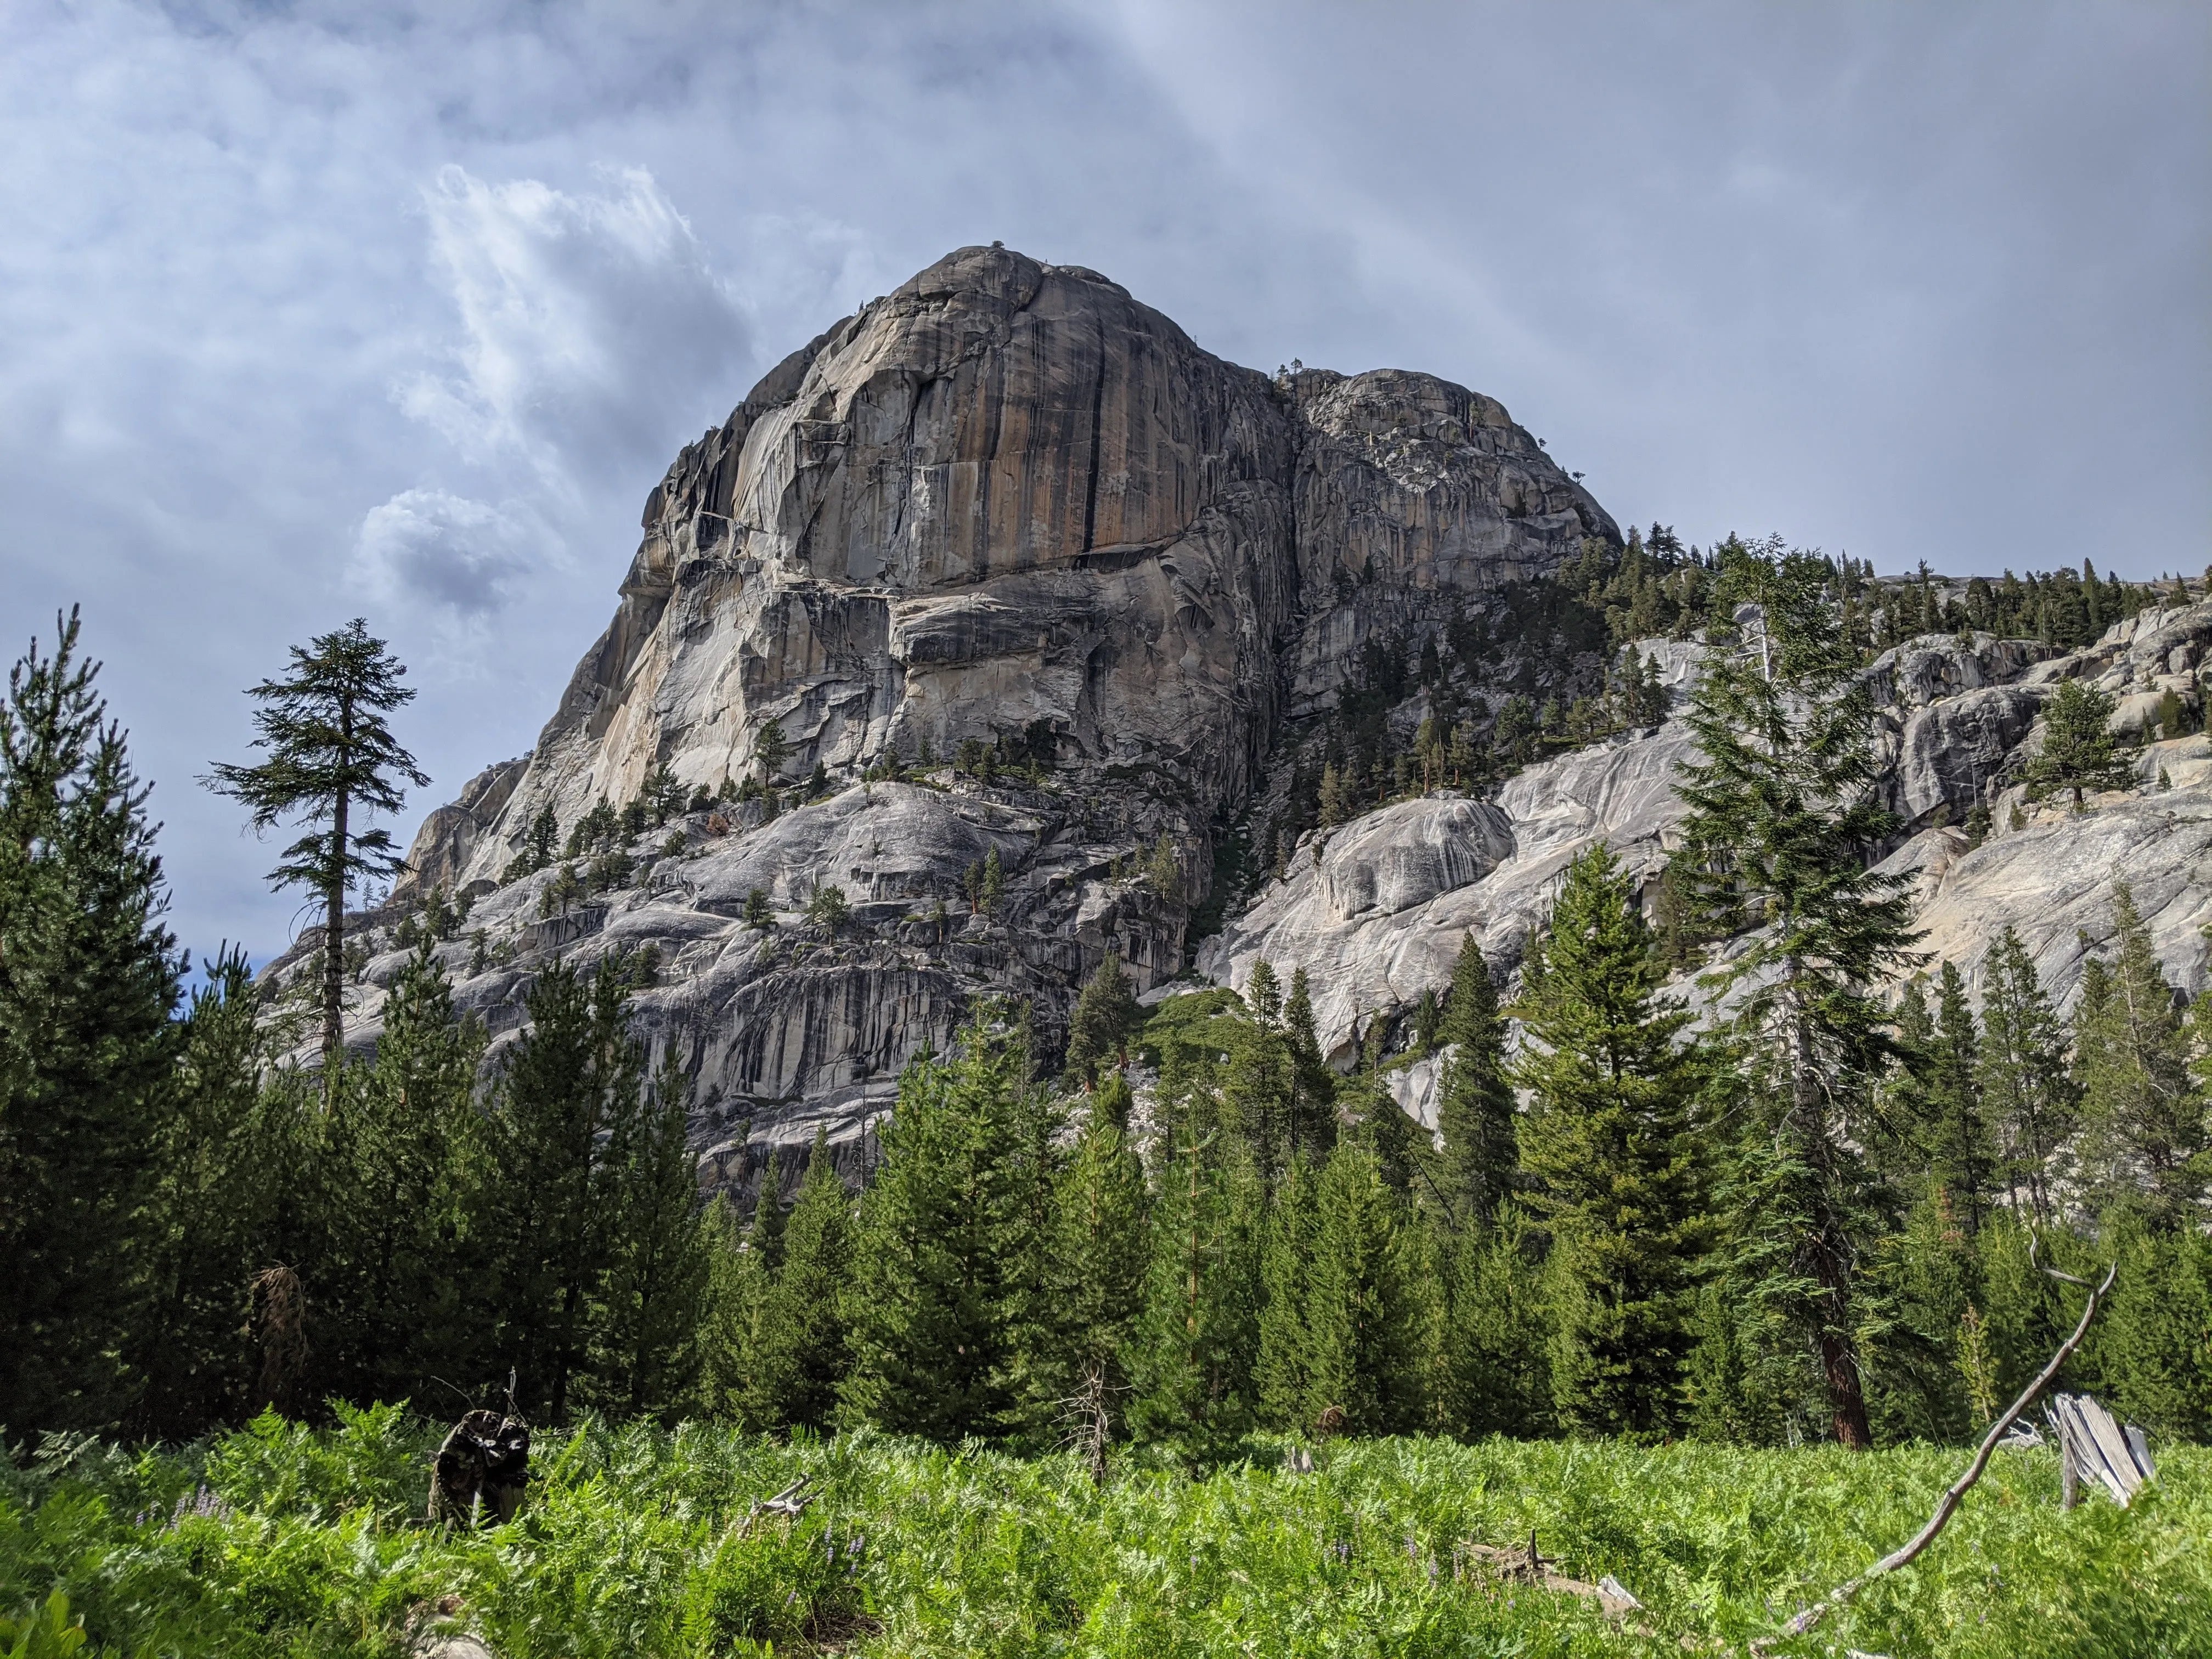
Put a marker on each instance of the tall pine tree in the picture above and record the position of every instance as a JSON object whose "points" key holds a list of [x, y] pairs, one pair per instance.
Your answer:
{"points": [[645, 1355], [1362, 1314], [1786, 810], [387, 1287], [1612, 1141], [799, 1332], [2026, 1092], [935, 1301], [1191, 1357], [1475, 1110], [88, 982], [332, 764], [549, 1183], [2144, 1122]]}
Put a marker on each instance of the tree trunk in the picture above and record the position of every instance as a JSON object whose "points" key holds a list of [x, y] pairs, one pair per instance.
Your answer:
{"points": [[1825, 1245], [1840, 1360], [334, 955]]}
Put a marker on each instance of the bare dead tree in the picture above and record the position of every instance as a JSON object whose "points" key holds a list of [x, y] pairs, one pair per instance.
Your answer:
{"points": [[1087, 1420], [280, 1318], [1948, 1505]]}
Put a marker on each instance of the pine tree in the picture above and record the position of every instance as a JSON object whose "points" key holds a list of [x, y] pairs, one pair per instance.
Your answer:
{"points": [[2026, 1093], [1037, 1316], [932, 1333], [1611, 1142], [799, 1334], [770, 750], [2077, 744], [1361, 1316], [387, 1290], [1309, 1120], [1785, 807], [764, 1238], [1497, 1329], [1191, 1360], [1961, 1156], [1475, 1109], [734, 1290], [547, 1206], [1099, 1251], [212, 1214], [1337, 802], [1283, 1376], [333, 761], [88, 983], [1105, 1014], [1256, 1094], [2145, 1125], [646, 1353]]}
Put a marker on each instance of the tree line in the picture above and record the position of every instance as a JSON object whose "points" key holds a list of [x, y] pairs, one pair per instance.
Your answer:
{"points": [[1804, 1215]]}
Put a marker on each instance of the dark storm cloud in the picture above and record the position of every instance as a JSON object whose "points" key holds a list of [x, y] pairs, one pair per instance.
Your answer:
{"points": [[403, 309]]}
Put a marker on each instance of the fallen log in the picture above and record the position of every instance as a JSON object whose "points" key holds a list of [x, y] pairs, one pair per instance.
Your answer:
{"points": [[1527, 1565]]}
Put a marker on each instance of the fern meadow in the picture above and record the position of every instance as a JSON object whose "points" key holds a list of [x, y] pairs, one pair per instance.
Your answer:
{"points": [[283, 1539]]}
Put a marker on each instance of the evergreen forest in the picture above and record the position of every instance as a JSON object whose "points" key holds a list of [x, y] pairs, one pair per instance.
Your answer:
{"points": [[1687, 1214]]}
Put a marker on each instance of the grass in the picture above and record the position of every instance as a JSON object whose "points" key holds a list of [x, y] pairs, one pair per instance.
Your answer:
{"points": [[285, 1540]]}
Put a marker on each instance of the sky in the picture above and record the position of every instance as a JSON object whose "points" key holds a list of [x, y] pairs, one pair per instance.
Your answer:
{"points": [[317, 310]]}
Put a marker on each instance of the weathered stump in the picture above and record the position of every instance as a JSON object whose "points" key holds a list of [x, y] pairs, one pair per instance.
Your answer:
{"points": [[482, 1468]]}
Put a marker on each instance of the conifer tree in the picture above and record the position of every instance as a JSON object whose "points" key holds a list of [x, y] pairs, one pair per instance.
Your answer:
{"points": [[1611, 1142], [2145, 1125], [1100, 1255], [1475, 1110], [2078, 751], [1309, 1121], [1283, 1376], [1256, 1093], [332, 763], [88, 982], [764, 1238], [1114, 1101], [387, 1290], [1363, 1320], [933, 1335], [2026, 1093], [547, 1205], [646, 1356], [1105, 1013], [212, 1214], [734, 1292], [1191, 1360], [1786, 809], [1961, 1156], [800, 1337], [1039, 1327], [1496, 1330]]}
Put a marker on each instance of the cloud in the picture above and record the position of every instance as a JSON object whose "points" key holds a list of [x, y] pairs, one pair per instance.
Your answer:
{"points": [[426, 546], [586, 318]]}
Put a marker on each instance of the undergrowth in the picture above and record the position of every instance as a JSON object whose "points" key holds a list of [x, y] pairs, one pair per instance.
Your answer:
{"points": [[281, 1540]]}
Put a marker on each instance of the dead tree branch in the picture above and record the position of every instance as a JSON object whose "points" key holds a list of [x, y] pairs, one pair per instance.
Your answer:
{"points": [[1903, 1555]]}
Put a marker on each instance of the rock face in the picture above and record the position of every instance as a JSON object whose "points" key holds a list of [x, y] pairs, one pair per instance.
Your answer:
{"points": [[1006, 500], [1957, 725], [1008, 497], [1008, 503]]}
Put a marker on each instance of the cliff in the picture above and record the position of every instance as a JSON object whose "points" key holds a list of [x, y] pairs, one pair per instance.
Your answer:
{"points": [[1009, 505]]}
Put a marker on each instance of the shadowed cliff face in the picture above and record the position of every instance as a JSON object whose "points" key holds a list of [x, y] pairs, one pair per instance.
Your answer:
{"points": [[1006, 499]]}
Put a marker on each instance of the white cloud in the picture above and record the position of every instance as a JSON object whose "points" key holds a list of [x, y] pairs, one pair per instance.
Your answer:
{"points": [[586, 318], [425, 545]]}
